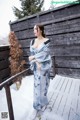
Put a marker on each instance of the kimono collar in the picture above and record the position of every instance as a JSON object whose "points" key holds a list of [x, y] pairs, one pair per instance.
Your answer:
{"points": [[47, 41], [42, 44]]}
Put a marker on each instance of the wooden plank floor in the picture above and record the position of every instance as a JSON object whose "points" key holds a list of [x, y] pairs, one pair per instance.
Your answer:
{"points": [[64, 100], [63, 95]]}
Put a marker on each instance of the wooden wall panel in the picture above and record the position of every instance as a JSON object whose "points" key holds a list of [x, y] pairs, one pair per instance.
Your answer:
{"points": [[68, 72], [62, 27], [4, 63]]}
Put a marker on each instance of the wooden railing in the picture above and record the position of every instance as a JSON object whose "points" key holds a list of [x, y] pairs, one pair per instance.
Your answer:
{"points": [[6, 84]]}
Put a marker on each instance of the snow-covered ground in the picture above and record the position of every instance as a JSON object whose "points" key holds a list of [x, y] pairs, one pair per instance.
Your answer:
{"points": [[58, 96], [22, 99]]}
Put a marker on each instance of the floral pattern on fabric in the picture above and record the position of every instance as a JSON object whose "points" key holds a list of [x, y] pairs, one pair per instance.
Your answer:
{"points": [[42, 76]]}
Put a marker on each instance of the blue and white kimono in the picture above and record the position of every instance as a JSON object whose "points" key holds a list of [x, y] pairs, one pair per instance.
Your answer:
{"points": [[42, 76]]}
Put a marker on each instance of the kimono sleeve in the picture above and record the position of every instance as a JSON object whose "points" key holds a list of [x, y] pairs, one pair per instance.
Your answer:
{"points": [[31, 53], [31, 50]]}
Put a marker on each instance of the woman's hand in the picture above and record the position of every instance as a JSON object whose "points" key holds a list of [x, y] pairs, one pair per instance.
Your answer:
{"points": [[31, 58]]}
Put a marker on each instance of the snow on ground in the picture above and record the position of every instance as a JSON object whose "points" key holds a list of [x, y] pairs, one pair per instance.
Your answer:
{"points": [[23, 100]]}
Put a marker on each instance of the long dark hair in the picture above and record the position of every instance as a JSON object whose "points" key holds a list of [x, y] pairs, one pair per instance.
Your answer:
{"points": [[41, 27]]}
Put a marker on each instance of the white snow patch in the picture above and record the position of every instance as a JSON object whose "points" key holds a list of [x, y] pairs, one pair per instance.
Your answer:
{"points": [[22, 100]]}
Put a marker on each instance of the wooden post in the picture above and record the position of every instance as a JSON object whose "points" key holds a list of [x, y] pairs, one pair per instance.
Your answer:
{"points": [[9, 102]]}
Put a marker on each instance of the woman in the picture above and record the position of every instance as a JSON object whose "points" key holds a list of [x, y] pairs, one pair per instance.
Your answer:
{"points": [[40, 61]]}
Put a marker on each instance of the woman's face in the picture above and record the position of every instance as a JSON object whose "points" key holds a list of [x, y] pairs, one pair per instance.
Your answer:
{"points": [[37, 31]]}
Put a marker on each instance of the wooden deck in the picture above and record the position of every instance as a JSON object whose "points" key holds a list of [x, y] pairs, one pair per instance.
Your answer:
{"points": [[63, 95], [64, 100]]}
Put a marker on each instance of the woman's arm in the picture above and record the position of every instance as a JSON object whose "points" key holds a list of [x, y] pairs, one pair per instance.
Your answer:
{"points": [[32, 59]]}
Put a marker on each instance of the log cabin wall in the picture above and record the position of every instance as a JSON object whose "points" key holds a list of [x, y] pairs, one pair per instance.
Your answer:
{"points": [[62, 27], [4, 63]]}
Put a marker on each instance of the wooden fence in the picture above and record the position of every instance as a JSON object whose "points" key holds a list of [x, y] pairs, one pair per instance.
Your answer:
{"points": [[4, 63], [62, 27]]}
